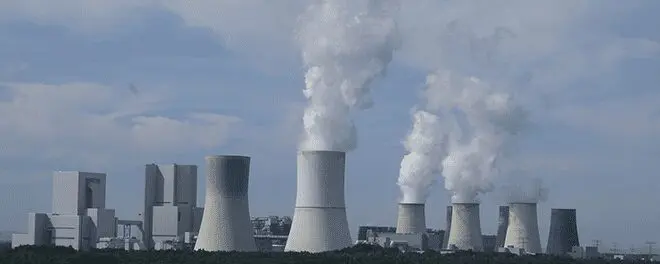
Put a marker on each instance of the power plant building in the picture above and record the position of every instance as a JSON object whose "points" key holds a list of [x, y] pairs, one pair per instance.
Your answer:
{"points": [[226, 224], [563, 235], [319, 220], [364, 230], [79, 218], [170, 205]]}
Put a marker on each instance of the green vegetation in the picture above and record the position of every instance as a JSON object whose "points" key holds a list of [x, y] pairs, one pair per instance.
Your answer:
{"points": [[360, 254]]}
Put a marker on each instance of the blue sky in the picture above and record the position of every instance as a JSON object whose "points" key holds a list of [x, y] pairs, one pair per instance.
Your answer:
{"points": [[223, 77]]}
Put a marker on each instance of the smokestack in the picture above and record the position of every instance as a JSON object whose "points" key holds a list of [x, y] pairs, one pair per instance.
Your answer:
{"points": [[412, 219], [445, 239], [226, 224], [563, 234], [319, 220], [523, 229], [465, 232], [502, 224]]}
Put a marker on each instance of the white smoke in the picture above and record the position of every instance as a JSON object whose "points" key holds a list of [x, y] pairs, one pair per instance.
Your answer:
{"points": [[481, 123], [343, 52], [419, 168], [461, 134]]}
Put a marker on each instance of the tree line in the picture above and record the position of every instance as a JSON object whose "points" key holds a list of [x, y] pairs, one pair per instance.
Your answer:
{"points": [[359, 254]]}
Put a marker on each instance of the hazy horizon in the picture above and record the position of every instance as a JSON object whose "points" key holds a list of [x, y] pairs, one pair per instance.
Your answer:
{"points": [[109, 87]]}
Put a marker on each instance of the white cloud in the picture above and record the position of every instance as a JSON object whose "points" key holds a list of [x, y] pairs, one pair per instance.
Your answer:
{"points": [[96, 125]]}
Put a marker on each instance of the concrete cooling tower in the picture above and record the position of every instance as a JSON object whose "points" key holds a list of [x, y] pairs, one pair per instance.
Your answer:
{"points": [[226, 222], [465, 232], [502, 224], [445, 238], [563, 234], [319, 220], [523, 229], [411, 219]]}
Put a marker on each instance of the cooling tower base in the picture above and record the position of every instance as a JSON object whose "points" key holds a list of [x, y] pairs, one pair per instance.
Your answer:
{"points": [[465, 232], [318, 230], [523, 230], [223, 232], [226, 224]]}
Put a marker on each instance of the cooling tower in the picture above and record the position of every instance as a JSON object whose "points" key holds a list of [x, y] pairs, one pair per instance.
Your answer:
{"points": [[523, 229], [226, 224], [563, 235], [411, 219], [319, 220], [502, 224], [445, 238], [465, 231]]}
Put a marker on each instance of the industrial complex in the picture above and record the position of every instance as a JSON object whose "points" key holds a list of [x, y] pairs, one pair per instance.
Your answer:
{"points": [[171, 219]]}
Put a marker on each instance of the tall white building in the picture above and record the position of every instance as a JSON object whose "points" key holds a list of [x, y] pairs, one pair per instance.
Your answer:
{"points": [[79, 217], [170, 204]]}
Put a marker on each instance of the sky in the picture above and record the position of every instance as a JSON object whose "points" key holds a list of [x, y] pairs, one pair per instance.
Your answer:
{"points": [[108, 86]]}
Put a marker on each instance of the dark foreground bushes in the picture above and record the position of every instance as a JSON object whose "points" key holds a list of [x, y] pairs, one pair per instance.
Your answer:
{"points": [[361, 254]]}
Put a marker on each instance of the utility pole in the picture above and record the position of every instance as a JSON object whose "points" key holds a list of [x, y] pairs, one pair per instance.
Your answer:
{"points": [[650, 243]]}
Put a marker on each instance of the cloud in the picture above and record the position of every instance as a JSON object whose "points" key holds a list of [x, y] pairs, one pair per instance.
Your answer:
{"points": [[92, 124], [261, 30], [82, 15]]}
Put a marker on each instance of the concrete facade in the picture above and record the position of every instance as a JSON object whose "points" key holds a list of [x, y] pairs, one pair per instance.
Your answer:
{"points": [[79, 218], [319, 220], [523, 228], [411, 219], [74, 192], [226, 224], [170, 204], [502, 224], [563, 235], [465, 232]]}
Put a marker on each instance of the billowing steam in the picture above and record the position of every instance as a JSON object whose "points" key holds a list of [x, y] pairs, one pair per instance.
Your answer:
{"points": [[420, 167], [476, 117], [484, 120], [463, 139], [343, 52]]}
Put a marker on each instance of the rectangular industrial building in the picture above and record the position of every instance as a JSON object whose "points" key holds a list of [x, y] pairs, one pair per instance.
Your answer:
{"points": [[79, 217], [170, 204]]}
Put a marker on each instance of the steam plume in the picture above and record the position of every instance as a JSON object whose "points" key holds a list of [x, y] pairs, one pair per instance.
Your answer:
{"points": [[343, 54], [524, 189], [490, 120], [425, 144]]}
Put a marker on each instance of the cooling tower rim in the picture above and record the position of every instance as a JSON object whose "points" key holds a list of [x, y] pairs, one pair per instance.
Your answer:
{"points": [[465, 203], [322, 151], [418, 204], [226, 157], [564, 209]]}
